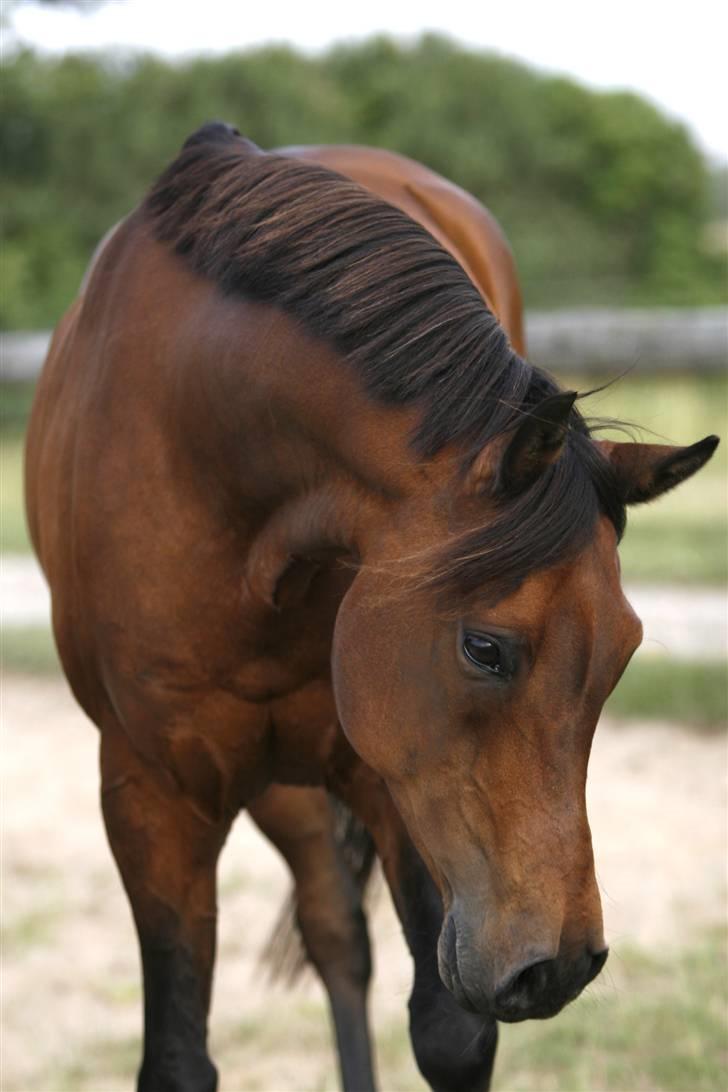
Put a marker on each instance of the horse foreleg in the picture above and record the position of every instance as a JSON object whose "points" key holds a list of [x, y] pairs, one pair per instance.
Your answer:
{"points": [[454, 1049], [330, 917], [166, 852]]}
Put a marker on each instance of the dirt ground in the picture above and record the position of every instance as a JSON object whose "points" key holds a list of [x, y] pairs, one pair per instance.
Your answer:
{"points": [[70, 982]]}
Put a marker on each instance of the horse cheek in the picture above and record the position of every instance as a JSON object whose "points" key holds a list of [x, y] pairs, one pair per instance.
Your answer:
{"points": [[363, 675]]}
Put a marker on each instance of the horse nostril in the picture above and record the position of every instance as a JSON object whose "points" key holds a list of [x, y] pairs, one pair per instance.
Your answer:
{"points": [[598, 959], [544, 986], [526, 984]]}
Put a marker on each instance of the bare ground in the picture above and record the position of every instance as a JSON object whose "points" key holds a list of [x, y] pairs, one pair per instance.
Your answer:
{"points": [[70, 982]]}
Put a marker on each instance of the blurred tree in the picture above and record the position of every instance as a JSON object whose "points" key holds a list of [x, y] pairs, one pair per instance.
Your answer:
{"points": [[719, 192], [604, 199]]}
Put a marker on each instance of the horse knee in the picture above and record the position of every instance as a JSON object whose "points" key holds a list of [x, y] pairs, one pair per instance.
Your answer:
{"points": [[454, 1050]]}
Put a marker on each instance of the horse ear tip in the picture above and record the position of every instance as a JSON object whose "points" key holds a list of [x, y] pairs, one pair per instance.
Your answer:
{"points": [[706, 446], [565, 401], [214, 132]]}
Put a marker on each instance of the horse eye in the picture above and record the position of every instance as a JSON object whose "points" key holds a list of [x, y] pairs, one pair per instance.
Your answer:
{"points": [[484, 652]]}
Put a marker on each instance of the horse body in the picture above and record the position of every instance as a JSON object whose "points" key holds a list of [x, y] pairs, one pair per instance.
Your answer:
{"points": [[114, 372], [199, 463]]}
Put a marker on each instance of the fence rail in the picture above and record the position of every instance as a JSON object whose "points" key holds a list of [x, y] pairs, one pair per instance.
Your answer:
{"points": [[579, 341], [609, 340]]}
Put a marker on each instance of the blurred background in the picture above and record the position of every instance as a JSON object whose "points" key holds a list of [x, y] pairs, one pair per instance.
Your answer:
{"points": [[596, 134]]}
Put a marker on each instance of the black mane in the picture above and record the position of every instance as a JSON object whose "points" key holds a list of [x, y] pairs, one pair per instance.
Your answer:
{"points": [[368, 279]]}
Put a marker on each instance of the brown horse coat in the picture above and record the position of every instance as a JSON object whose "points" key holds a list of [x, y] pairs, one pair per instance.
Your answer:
{"points": [[200, 461]]}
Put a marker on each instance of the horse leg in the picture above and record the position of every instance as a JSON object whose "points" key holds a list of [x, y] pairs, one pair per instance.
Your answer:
{"points": [[299, 822], [454, 1049], [166, 850]]}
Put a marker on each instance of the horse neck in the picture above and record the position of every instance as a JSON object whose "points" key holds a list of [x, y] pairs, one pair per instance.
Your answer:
{"points": [[291, 418], [275, 428]]}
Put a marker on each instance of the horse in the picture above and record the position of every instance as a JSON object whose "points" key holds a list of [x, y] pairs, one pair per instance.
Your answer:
{"points": [[309, 519]]}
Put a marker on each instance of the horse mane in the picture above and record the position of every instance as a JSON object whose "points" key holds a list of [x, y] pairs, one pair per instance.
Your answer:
{"points": [[365, 277]]}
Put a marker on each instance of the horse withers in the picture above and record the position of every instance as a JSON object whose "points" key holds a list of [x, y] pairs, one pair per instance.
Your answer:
{"points": [[309, 519]]}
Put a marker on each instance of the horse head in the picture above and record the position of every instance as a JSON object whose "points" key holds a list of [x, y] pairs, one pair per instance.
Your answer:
{"points": [[476, 698]]}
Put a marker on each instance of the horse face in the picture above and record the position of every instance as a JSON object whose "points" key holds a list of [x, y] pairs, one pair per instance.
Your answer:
{"points": [[481, 727]]}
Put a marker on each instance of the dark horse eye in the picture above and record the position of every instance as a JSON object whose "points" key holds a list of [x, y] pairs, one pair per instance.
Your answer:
{"points": [[484, 652]]}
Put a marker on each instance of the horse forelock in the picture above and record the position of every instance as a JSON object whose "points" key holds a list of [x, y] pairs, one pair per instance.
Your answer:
{"points": [[550, 523], [365, 277]]}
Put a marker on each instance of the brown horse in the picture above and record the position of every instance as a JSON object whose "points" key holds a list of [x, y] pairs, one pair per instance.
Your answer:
{"points": [[309, 519]]}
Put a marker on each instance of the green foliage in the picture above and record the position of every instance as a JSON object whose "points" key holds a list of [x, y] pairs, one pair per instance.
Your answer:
{"points": [[719, 191], [16, 399], [603, 198]]}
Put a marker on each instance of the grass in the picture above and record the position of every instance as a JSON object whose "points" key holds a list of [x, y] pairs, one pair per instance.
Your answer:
{"points": [[659, 549], [13, 531], [15, 401], [103, 1059], [30, 930], [28, 650], [658, 688], [649, 1024], [660, 1028]]}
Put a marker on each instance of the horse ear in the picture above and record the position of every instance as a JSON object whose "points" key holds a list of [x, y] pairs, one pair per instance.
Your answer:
{"points": [[536, 443], [298, 541], [644, 471]]}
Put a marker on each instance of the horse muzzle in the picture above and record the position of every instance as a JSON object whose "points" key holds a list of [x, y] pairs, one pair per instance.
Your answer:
{"points": [[534, 987]]}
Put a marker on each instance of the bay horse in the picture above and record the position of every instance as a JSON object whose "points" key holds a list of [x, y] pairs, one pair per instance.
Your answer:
{"points": [[310, 519]]}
